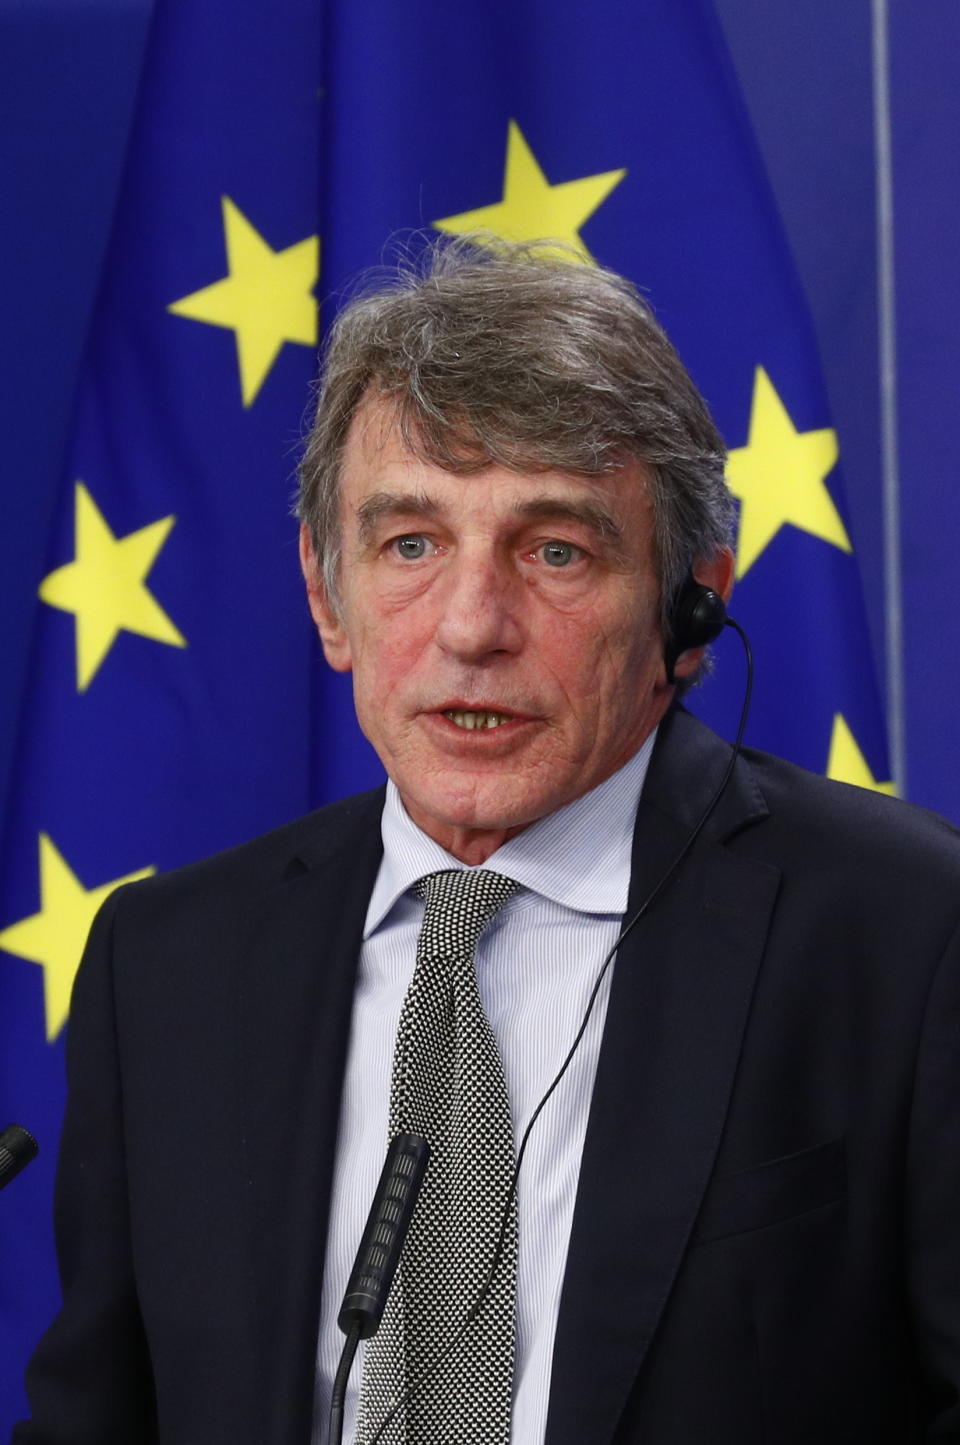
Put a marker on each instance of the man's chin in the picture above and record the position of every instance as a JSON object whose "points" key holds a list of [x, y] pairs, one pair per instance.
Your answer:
{"points": [[491, 813]]}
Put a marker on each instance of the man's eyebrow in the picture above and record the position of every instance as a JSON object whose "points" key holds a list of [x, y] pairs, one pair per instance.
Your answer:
{"points": [[378, 505], [597, 519]]}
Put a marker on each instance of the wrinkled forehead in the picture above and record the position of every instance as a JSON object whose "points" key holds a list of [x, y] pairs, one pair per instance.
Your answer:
{"points": [[384, 436]]}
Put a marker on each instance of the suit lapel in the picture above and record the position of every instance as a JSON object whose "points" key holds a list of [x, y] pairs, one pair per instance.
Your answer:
{"points": [[679, 1001], [304, 942]]}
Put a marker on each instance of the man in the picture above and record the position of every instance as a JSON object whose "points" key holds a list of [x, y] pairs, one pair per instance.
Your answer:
{"points": [[737, 1215]]}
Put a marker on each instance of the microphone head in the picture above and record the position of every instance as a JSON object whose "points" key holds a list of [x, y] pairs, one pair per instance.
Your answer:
{"points": [[384, 1236], [17, 1148]]}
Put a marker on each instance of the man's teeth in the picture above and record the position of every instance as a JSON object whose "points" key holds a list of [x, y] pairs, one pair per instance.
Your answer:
{"points": [[473, 720]]}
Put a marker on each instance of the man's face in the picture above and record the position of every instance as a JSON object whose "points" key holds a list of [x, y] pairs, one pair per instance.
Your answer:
{"points": [[502, 630]]}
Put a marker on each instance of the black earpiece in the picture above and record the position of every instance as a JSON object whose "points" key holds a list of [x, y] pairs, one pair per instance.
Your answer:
{"points": [[697, 616]]}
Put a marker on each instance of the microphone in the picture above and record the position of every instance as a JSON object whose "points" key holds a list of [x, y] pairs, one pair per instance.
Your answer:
{"points": [[17, 1148], [377, 1258]]}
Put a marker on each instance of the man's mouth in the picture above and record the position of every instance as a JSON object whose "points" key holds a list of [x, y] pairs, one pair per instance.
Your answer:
{"points": [[473, 721]]}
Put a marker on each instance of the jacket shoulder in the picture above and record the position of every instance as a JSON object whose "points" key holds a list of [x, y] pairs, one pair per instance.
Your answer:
{"points": [[239, 874], [858, 827], [789, 816]]}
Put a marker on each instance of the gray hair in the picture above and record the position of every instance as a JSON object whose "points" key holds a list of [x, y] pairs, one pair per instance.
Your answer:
{"points": [[520, 355]]}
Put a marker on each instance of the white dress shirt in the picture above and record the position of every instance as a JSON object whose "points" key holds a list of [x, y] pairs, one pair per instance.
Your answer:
{"points": [[536, 965]]}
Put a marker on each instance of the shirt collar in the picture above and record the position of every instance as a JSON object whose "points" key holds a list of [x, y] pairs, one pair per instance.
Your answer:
{"points": [[579, 856]]}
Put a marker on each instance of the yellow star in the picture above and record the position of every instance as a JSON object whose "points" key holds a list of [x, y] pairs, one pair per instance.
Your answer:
{"points": [[55, 936], [105, 586], [779, 478], [846, 762], [531, 207], [266, 299]]}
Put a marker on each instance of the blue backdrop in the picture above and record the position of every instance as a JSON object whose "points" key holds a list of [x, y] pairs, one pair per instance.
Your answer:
{"points": [[183, 193]]}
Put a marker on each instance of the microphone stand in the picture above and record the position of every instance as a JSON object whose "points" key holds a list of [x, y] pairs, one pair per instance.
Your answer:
{"points": [[338, 1395]]}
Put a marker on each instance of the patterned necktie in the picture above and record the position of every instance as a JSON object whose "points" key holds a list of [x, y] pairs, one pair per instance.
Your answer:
{"points": [[448, 1085]]}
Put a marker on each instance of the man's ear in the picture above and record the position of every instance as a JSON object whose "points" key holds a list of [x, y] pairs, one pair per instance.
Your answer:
{"points": [[333, 634], [717, 573]]}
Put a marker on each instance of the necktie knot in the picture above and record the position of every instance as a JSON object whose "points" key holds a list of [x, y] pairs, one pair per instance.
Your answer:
{"points": [[461, 902]]}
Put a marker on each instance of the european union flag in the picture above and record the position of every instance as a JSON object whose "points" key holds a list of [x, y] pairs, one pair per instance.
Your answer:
{"points": [[177, 704], [172, 706]]}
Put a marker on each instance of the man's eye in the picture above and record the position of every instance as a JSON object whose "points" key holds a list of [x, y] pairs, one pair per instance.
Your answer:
{"points": [[559, 554], [411, 547]]}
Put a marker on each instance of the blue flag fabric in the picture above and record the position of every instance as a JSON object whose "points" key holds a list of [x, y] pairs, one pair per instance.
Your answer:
{"points": [[172, 695], [177, 703]]}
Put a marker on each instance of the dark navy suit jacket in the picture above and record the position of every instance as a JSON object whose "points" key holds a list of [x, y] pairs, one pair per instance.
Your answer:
{"points": [[766, 1244]]}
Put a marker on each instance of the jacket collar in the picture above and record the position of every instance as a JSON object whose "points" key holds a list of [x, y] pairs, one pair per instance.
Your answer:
{"points": [[679, 1001]]}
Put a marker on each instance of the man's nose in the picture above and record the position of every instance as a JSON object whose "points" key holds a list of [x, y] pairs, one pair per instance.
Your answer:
{"points": [[479, 607]]}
